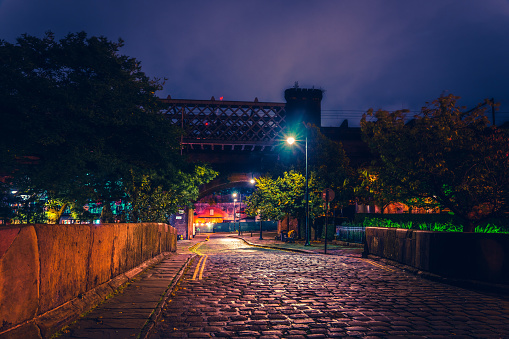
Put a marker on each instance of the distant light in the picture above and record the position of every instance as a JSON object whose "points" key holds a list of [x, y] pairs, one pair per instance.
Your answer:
{"points": [[221, 98], [14, 192], [290, 140], [252, 181]]}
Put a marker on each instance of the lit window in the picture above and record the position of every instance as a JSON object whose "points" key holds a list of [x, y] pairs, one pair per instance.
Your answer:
{"points": [[211, 211]]}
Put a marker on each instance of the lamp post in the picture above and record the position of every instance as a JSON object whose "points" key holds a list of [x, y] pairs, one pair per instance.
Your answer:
{"points": [[291, 141], [234, 201], [235, 211]]}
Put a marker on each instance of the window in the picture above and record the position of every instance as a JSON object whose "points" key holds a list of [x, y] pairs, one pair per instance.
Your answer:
{"points": [[211, 211]]}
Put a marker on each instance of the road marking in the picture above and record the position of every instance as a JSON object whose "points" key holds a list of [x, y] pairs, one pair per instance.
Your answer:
{"points": [[377, 265], [197, 268], [202, 261], [195, 247], [203, 267]]}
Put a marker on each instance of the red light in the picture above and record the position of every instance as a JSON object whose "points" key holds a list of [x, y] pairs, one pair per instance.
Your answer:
{"points": [[221, 98]]}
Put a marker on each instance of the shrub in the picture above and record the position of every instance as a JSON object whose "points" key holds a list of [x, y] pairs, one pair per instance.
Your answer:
{"points": [[436, 226]]}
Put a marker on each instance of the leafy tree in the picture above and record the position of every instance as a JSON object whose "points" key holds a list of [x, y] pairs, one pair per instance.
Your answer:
{"points": [[445, 154], [151, 202], [373, 189], [328, 166], [264, 200], [82, 119], [284, 196], [332, 167]]}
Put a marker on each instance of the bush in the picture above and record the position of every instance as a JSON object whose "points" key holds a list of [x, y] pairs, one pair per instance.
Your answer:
{"points": [[404, 218], [447, 226]]}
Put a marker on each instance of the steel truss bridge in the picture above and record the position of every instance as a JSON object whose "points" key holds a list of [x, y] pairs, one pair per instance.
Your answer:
{"points": [[216, 125]]}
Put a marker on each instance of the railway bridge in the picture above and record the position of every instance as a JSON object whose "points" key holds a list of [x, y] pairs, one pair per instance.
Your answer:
{"points": [[239, 139]]}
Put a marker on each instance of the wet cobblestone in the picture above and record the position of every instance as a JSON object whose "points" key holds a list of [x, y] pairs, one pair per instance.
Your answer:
{"points": [[249, 292]]}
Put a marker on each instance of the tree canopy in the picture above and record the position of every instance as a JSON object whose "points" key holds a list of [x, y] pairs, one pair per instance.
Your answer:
{"points": [[82, 120], [446, 154], [327, 160]]}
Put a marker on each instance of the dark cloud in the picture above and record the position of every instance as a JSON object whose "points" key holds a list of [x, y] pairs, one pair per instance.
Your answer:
{"points": [[380, 54]]}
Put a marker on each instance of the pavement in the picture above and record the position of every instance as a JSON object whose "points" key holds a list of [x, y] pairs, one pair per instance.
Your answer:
{"points": [[135, 307]]}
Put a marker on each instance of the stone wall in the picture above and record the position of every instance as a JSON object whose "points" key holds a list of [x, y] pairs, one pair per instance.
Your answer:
{"points": [[474, 256], [57, 271]]}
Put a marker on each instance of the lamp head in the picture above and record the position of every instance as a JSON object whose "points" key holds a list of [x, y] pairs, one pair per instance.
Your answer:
{"points": [[290, 140]]}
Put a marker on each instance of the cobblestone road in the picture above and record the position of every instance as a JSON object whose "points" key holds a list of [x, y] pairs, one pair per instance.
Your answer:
{"points": [[243, 291]]}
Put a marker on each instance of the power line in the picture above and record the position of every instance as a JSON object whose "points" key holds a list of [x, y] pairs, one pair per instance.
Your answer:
{"points": [[364, 111]]}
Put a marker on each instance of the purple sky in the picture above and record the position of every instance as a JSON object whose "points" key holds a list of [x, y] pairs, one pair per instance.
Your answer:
{"points": [[388, 54]]}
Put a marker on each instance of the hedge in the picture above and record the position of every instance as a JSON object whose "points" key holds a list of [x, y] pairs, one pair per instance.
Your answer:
{"points": [[431, 218]]}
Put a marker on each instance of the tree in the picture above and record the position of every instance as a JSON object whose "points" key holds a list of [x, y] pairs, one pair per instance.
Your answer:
{"points": [[332, 167], [373, 188], [264, 200], [81, 119], [151, 202], [445, 154], [328, 161], [284, 196]]}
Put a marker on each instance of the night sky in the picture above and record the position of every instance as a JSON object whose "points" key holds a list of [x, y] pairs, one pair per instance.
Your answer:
{"points": [[387, 54]]}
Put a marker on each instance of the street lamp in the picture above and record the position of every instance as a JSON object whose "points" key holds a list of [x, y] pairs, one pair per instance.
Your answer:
{"points": [[234, 213], [291, 141]]}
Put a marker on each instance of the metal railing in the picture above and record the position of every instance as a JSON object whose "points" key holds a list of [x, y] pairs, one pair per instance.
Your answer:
{"points": [[355, 234]]}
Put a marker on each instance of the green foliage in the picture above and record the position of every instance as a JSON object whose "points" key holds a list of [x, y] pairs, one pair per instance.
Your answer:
{"points": [[273, 199], [420, 218], [489, 228], [151, 202], [436, 226], [446, 154], [29, 211], [82, 120], [331, 232], [332, 167], [381, 222]]}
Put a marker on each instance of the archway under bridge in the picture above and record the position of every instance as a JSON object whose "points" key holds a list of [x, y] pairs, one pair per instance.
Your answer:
{"points": [[224, 182], [222, 206]]}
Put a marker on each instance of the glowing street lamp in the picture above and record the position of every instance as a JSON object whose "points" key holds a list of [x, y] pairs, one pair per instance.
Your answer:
{"points": [[291, 141]]}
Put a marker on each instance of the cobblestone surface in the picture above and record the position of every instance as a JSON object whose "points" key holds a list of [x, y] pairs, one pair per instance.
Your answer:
{"points": [[250, 292]]}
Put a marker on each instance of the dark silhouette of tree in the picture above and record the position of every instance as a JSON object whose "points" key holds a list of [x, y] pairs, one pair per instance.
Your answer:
{"points": [[80, 120], [445, 154]]}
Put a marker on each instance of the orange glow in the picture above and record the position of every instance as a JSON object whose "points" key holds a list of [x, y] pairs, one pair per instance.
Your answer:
{"points": [[221, 98]]}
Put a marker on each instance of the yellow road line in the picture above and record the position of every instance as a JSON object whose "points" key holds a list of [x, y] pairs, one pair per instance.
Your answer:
{"points": [[197, 268], [203, 267], [202, 261], [195, 247], [377, 265]]}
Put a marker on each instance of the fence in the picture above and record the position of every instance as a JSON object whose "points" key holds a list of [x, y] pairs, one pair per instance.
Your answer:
{"points": [[245, 226], [355, 234]]}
